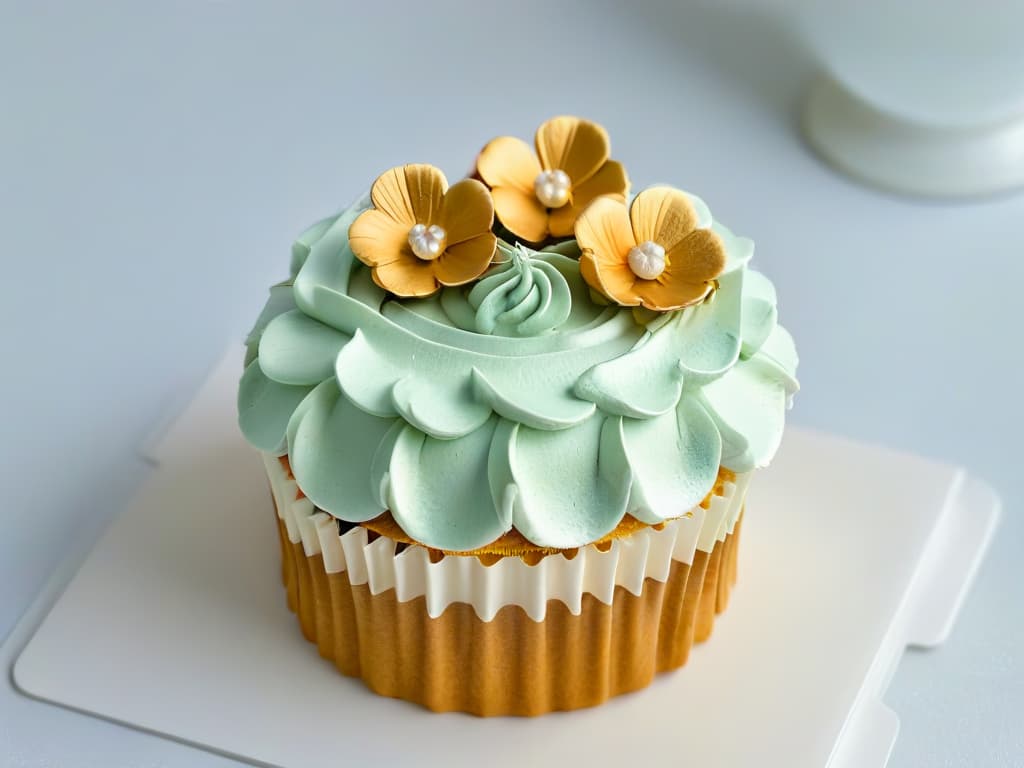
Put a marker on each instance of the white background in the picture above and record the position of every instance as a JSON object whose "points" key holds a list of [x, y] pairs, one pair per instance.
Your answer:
{"points": [[155, 163]]}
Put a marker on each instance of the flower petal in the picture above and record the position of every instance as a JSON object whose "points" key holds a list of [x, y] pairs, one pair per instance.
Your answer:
{"points": [[610, 180], [390, 194], [465, 261], [588, 270], [377, 238], [407, 277], [508, 162], [521, 213], [426, 187], [618, 283], [466, 211], [578, 147], [697, 258], [666, 294], [662, 214], [604, 234], [603, 228]]}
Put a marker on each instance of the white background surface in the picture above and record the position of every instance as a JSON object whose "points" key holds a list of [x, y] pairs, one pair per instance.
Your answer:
{"points": [[156, 163]]}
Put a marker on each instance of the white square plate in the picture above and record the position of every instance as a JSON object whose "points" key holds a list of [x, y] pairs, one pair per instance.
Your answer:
{"points": [[176, 623]]}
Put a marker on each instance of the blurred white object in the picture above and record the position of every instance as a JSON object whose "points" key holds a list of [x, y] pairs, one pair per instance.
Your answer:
{"points": [[923, 98]]}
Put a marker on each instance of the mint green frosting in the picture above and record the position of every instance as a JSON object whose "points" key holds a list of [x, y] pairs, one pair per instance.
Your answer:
{"points": [[525, 295], [515, 401]]}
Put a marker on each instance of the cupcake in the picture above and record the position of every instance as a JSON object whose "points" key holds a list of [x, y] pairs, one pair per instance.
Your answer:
{"points": [[509, 425]]}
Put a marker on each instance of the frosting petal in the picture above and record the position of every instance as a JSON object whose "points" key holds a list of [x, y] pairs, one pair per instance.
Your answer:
{"points": [[572, 486], [640, 384], [439, 490], [323, 278], [352, 367], [700, 342], [778, 355], [279, 302], [296, 349], [759, 315], [554, 409], [748, 406], [264, 407], [380, 466], [674, 459], [305, 242], [708, 336], [429, 406], [331, 454]]}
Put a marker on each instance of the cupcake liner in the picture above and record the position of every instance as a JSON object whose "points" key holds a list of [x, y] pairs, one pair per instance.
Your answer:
{"points": [[507, 638], [595, 569]]}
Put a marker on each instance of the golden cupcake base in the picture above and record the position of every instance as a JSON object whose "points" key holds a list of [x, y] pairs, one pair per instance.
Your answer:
{"points": [[511, 665]]}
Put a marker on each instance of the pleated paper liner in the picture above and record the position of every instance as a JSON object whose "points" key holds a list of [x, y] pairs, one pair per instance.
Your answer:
{"points": [[507, 638]]}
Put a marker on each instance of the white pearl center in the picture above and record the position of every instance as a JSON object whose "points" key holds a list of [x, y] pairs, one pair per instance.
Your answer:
{"points": [[647, 260], [552, 188], [427, 242]]}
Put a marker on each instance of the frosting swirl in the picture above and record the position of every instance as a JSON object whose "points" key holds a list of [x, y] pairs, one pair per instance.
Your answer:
{"points": [[522, 297], [520, 403], [526, 294]]}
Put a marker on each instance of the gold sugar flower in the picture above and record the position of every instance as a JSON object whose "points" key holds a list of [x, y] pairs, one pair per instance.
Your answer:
{"points": [[650, 254], [542, 194], [420, 234]]}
